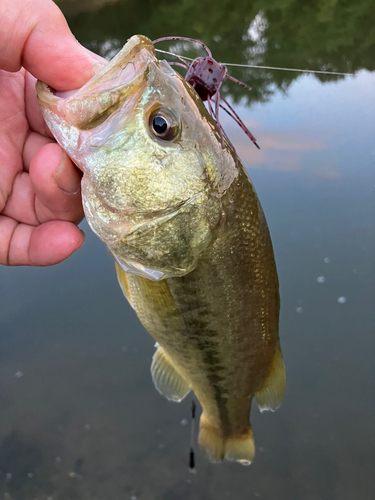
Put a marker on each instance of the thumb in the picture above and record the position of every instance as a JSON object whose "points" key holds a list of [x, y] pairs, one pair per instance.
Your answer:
{"points": [[34, 34]]}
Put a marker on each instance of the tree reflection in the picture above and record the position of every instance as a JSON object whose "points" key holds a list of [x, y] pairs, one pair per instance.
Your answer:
{"points": [[332, 35]]}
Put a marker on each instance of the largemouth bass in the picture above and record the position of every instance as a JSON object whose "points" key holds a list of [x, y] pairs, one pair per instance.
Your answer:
{"points": [[183, 222]]}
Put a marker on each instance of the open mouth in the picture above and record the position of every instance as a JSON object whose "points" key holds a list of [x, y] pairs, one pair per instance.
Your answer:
{"points": [[130, 238], [113, 81], [157, 217], [112, 232]]}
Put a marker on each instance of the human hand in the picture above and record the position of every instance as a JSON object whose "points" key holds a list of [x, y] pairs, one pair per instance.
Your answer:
{"points": [[40, 198]]}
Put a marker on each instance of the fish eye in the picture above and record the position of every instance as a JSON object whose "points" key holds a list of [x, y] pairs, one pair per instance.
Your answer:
{"points": [[163, 125]]}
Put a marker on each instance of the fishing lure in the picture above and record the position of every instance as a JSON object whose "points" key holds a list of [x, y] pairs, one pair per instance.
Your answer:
{"points": [[206, 76]]}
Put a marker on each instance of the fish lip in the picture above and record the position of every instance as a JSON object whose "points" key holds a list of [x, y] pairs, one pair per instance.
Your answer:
{"points": [[124, 229], [138, 49], [165, 214], [162, 215]]}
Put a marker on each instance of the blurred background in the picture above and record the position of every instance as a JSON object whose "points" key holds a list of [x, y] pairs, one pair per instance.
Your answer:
{"points": [[79, 416]]}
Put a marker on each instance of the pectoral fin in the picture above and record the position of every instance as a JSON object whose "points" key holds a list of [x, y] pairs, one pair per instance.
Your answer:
{"points": [[272, 392], [123, 281], [166, 379]]}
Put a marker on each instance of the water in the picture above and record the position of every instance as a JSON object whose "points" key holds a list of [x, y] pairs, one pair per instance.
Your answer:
{"points": [[80, 418]]}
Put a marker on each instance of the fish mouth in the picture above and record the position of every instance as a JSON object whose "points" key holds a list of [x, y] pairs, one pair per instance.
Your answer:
{"points": [[130, 241], [87, 107], [112, 233], [157, 217]]}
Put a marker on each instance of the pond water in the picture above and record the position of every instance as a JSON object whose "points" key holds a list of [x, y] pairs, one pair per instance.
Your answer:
{"points": [[79, 416]]}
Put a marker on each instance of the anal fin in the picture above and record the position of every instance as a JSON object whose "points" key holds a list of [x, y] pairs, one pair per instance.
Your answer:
{"points": [[273, 390], [166, 379]]}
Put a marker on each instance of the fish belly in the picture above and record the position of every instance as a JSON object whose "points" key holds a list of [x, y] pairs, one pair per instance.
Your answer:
{"points": [[217, 326]]}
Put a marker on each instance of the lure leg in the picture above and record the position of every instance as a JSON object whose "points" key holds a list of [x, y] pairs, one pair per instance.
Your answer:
{"points": [[238, 123], [218, 97], [211, 111], [222, 131], [230, 114], [241, 123], [178, 64], [184, 39], [238, 82], [217, 105]]}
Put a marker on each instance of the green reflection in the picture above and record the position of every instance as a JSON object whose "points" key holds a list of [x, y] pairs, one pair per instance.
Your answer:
{"points": [[332, 35]]}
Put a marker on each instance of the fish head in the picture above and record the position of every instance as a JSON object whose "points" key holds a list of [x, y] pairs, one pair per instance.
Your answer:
{"points": [[154, 170]]}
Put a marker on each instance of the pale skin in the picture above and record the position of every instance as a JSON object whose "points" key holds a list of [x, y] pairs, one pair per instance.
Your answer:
{"points": [[40, 197]]}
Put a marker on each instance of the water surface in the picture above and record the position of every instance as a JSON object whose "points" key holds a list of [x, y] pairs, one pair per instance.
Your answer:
{"points": [[80, 418]]}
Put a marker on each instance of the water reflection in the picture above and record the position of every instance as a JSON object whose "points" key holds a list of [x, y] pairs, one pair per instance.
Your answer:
{"points": [[85, 358], [332, 36]]}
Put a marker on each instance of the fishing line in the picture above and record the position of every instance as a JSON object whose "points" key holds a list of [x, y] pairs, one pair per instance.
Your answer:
{"points": [[192, 430], [291, 69], [264, 67], [173, 54]]}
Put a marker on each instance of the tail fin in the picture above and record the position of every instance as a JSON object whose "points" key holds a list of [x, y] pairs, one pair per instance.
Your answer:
{"points": [[239, 448]]}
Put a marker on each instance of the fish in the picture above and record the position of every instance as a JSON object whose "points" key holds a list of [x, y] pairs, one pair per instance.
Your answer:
{"points": [[191, 245]]}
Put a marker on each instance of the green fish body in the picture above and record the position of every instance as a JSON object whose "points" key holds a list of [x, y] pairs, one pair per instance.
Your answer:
{"points": [[191, 244]]}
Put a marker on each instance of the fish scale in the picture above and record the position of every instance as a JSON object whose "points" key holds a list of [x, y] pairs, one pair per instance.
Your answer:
{"points": [[191, 244], [214, 335]]}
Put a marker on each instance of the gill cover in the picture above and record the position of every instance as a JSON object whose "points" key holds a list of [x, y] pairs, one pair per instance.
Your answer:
{"points": [[155, 198]]}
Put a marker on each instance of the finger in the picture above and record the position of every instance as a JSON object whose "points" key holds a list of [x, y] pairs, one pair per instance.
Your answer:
{"points": [[45, 245], [51, 190], [10, 167], [33, 113], [34, 34], [33, 144], [57, 185], [20, 205]]}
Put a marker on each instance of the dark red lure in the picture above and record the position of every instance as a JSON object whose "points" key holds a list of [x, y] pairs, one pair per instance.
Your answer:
{"points": [[206, 76]]}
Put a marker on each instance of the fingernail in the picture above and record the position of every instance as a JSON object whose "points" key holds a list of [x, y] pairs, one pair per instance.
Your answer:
{"points": [[66, 178]]}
